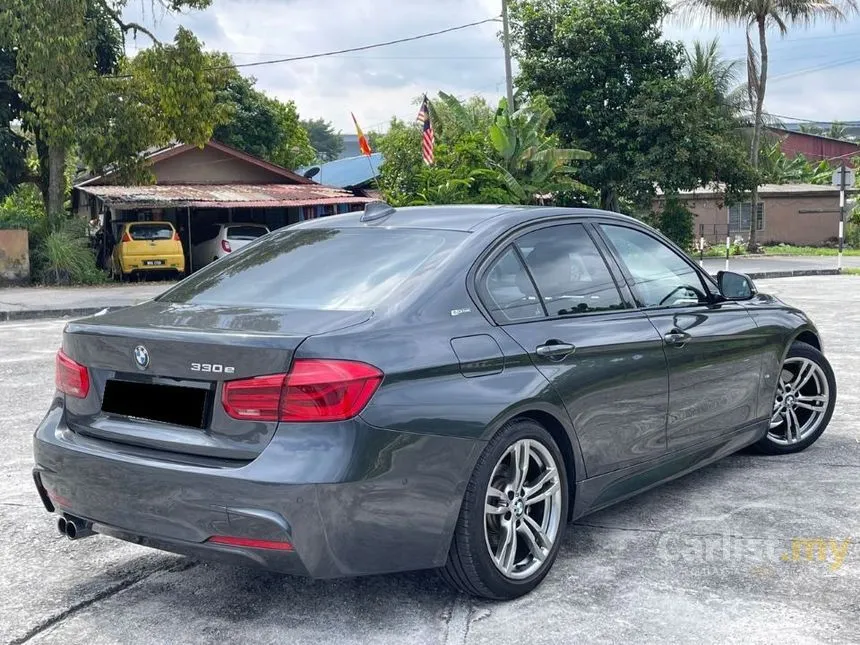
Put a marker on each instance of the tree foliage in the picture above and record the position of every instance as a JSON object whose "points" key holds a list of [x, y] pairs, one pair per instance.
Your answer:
{"points": [[482, 156], [758, 16], [77, 90], [777, 168], [327, 143], [592, 59]]}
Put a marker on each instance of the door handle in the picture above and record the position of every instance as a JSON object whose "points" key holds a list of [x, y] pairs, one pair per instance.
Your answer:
{"points": [[677, 338], [555, 351]]}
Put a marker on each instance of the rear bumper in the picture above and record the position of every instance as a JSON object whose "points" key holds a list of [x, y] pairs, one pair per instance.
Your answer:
{"points": [[358, 500], [132, 263]]}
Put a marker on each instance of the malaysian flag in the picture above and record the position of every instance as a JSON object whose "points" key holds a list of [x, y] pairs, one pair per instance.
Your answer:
{"points": [[428, 141]]}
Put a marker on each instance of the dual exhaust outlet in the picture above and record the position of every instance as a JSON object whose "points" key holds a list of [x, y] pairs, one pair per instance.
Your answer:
{"points": [[74, 528]]}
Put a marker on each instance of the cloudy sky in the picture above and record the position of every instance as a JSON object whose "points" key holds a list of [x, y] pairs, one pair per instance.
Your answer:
{"points": [[814, 71]]}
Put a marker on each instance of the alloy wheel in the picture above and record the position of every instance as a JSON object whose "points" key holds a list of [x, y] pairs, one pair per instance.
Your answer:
{"points": [[522, 514], [801, 403]]}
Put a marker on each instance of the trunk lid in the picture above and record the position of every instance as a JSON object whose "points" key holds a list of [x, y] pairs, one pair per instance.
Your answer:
{"points": [[156, 372]]}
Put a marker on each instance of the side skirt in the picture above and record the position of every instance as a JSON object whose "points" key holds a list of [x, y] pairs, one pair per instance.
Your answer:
{"points": [[605, 490]]}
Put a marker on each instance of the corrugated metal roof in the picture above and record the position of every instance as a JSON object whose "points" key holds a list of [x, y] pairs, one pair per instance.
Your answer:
{"points": [[347, 173], [222, 196], [766, 190]]}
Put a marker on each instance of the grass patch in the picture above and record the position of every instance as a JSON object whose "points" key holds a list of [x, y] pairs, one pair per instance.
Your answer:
{"points": [[787, 249], [850, 270]]}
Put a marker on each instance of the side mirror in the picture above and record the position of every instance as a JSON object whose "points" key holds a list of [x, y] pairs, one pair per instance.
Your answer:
{"points": [[735, 286]]}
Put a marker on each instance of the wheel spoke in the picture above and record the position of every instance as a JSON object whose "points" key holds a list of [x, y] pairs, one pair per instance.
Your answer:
{"points": [[778, 411], [507, 549], [537, 536], [817, 406], [547, 477], [807, 369], [793, 427], [522, 455], [539, 497]]}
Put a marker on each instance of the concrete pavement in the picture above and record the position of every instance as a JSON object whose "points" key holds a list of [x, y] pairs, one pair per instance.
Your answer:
{"points": [[705, 559], [56, 302], [763, 267]]}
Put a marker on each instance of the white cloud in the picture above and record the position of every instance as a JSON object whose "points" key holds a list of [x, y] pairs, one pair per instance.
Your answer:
{"points": [[380, 83]]}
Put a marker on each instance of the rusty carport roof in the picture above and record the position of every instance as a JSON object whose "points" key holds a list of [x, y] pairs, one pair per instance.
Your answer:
{"points": [[221, 196]]}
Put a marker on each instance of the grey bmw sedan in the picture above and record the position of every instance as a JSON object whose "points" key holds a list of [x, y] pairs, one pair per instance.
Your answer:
{"points": [[417, 388]]}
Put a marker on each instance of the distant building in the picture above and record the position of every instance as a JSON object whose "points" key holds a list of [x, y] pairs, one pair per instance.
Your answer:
{"points": [[216, 184], [802, 214], [816, 147], [356, 174], [350, 146]]}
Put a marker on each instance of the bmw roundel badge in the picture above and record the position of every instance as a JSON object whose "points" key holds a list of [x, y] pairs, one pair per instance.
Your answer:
{"points": [[141, 357]]}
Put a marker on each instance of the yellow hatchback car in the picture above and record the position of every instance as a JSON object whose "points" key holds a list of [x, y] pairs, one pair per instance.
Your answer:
{"points": [[147, 247]]}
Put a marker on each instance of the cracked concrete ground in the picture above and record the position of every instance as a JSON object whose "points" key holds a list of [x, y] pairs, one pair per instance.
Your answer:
{"points": [[707, 558]]}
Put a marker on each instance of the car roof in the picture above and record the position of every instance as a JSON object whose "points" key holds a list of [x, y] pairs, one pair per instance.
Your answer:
{"points": [[466, 218]]}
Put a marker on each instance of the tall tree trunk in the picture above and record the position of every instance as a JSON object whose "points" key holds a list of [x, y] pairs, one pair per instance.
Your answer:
{"points": [[44, 174], [56, 179], [609, 199], [756, 142]]}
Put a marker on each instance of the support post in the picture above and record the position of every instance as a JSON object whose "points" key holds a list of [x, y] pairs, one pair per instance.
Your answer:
{"points": [[843, 186], [509, 75]]}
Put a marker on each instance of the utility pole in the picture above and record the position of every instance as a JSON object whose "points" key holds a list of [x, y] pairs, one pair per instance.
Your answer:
{"points": [[509, 74], [843, 185]]}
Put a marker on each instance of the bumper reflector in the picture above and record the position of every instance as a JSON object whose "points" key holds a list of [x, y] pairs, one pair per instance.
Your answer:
{"points": [[250, 543]]}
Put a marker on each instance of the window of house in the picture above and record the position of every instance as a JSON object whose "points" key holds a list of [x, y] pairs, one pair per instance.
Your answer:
{"points": [[739, 218]]}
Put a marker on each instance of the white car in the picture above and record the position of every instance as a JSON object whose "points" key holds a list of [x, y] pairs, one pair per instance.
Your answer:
{"points": [[214, 241]]}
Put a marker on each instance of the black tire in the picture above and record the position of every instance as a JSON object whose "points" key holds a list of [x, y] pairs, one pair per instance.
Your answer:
{"points": [[766, 445], [470, 568]]}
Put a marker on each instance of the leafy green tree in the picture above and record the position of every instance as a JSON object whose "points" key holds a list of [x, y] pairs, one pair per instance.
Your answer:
{"points": [[13, 146], [78, 91], [262, 126], [837, 130], [760, 15], [592, 59], [810, 128], [777, 168], [327, 143]]}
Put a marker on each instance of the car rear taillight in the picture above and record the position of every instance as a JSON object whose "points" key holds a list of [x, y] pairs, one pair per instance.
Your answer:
{"points": [[226, 246], [176, 236], [315, 390], [71, 377], [126, 237]]}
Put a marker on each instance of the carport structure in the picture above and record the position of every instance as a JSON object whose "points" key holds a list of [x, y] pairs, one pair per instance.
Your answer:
{"points": [[197, 187]]}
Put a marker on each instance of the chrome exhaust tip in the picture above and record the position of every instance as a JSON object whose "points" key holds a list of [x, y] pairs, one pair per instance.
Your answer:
{"points": [[76, 528], [61, 525]]}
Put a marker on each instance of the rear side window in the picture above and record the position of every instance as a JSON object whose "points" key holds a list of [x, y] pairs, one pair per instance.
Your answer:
{"points": [[245, 232], [150, 232], [569, 271], [509, 293], [315, 268]]}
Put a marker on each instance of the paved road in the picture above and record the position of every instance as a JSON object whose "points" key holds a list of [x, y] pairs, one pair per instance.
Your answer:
{"points": [[32, 299], [697, 560], [762, 264]]}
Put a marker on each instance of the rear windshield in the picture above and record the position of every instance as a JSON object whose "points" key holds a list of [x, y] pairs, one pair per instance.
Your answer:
{"points": [[150, 232], [339, 269], [245, 232]]}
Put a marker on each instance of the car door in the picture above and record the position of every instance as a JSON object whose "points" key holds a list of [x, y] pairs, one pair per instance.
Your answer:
{"points": [[711, 347], [551, 290]]}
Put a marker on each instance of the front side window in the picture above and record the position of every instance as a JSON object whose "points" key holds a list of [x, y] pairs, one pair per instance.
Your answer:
{"points": [[569, 271], [661, 278]]}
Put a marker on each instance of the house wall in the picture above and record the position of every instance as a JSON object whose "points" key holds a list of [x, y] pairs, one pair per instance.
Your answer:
{"points": [[816, 148], [14, 257], [786, 219], [211, 166]]}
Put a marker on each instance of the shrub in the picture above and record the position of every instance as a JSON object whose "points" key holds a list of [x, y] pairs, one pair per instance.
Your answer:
{"points": [[675, 221], [63, 256]]}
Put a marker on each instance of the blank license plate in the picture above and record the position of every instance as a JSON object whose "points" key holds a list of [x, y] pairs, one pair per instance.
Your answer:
{"points": [[182, 406], [153, 263]]}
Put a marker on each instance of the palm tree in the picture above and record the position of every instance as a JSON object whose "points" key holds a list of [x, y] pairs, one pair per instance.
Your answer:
{"points": [[837, 130], [704, 61], [762, 14]]}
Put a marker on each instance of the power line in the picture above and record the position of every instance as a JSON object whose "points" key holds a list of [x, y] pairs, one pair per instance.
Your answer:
{"points": [[338, 52], [358, 49]]}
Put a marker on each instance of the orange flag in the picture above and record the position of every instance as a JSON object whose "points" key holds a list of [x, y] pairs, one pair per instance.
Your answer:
{"points": [[363, 143]]}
